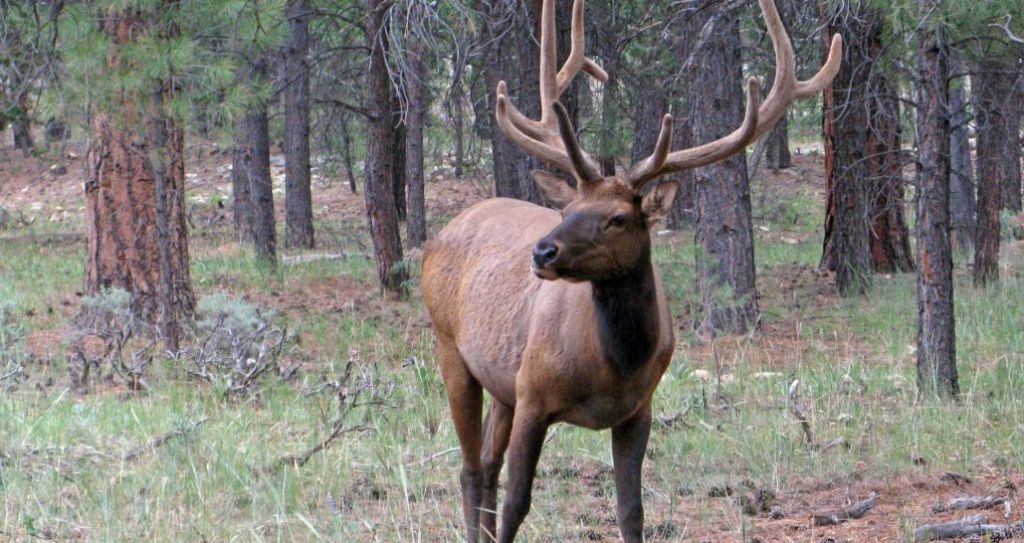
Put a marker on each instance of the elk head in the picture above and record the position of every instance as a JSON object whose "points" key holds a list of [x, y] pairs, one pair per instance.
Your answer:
{"points": [[605, 232]]}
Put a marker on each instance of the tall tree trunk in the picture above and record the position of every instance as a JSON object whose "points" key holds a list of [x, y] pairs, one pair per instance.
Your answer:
{"points": [[890, 237], [21, 124], [136, 230], [250, 173], [298, 199], [511, 55], [846, 141], [456, 103], [998, 161], [346, 153], [378, 190], [936, 336], [776, 141], [725, 261], [777, 155], [416, 83], [865, 227], [961, 188], [399, 181]]}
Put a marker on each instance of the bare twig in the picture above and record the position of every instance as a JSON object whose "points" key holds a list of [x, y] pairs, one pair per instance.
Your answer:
{"points": [[15, 370], [346, 400], [432, 457], [855, 511], [1009, 33]]}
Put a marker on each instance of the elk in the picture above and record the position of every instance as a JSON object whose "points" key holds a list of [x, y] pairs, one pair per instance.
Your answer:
{"points": [[561, 317]]}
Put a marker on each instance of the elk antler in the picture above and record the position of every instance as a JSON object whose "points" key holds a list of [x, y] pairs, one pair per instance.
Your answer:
{"points": [[758, 120], [542, 138]]}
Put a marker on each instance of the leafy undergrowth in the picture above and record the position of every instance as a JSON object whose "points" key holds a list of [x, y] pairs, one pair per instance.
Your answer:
{"points": [[184, 461]]}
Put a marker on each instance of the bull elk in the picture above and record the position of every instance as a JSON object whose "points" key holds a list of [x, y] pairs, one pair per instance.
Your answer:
{"points": [[562, 317]]}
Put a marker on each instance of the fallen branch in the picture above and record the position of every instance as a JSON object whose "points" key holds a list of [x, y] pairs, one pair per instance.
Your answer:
{"points": [[954, 478], [793, 405], [855, 511], [969, 502], [13, 372], [159, 441], [969, 526]]}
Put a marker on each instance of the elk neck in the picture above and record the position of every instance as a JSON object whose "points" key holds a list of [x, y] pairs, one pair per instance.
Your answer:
{"points": [[626, 309]]}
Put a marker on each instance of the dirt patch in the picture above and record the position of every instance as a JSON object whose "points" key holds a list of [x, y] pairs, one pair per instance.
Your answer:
{"points": [[30, 192], [321, 295]]}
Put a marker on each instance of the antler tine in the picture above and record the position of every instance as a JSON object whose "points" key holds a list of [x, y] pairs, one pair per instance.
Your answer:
{"points": [[541, 138], [758, 120], [786, 86], [534, 146], [702, 155], [585, 170], [577, 61], [650, 167]]}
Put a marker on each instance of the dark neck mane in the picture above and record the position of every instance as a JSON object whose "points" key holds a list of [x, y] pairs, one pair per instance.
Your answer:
{"points": [[627, 317]]}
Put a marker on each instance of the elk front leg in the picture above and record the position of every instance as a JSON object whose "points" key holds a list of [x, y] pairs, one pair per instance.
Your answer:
{"points": [[497, 427], [629, 443], [528, 431]]}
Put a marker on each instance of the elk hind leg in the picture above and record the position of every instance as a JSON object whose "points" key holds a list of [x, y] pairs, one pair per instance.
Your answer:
{"points": [[497, 427], [465, 398], [528, 430]]}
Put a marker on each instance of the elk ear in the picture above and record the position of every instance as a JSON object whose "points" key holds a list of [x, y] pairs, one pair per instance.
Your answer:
{"points": [[658, 202], [554, 189]]}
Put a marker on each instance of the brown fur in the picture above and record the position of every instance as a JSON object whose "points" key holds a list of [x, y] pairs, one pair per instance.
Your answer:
{"points": [[536, 345]]}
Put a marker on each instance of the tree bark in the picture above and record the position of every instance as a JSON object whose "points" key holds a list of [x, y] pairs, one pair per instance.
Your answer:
{"points": [[298, 199], [846, 141], [350, 170], [416, 83], [725, 261], [865, 227], [777, 155], [136, 229], [455, 108], [511, 55], [961, 189], [890, 237], [381, 209], [250, 173], [998, 161], [399, 181], [936, 336]]}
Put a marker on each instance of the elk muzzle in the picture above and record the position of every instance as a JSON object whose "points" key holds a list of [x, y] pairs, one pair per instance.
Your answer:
{"points": [[545, 252]]}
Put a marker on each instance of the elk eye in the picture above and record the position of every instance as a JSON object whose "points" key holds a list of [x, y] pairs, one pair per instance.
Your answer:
{"points": [[617, 220]]}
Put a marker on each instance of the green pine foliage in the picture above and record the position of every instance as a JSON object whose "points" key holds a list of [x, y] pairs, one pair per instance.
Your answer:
{"points": [[196, 46]]}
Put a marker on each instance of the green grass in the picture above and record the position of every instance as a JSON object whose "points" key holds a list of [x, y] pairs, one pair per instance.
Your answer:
{"points": [[394, 477]]}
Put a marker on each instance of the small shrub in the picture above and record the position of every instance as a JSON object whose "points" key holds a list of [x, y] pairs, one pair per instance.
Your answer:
{"points": [[13, 353], [235, 344]]}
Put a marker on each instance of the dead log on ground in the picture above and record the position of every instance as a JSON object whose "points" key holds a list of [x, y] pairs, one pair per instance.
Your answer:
{"points": [[855, 511], [969, 502], [969, 526]]}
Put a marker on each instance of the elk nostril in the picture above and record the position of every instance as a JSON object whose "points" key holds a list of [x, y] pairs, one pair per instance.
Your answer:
{"points": [[544, 253]]}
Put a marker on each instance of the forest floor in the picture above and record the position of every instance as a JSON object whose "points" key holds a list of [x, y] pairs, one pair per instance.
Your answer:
{"points": [[188, 460]]}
